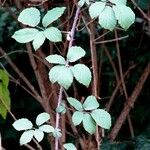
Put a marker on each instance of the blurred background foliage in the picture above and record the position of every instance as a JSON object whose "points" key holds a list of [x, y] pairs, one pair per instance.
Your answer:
{"points": [[135, 50]]}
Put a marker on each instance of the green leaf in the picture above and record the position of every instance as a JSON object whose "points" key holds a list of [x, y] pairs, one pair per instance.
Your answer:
{"points": [[25, 35], [75, 53], [77, 117], [122, 2], [69, 146], [53, 34], [61, 109], [82, 74], [75, 103], [96, 9], [38, 40], [90, 103], [81, 3], [39, 135], [107, 18], [4, 78], [22, 124], [52, 15], [89, 124], [42, 118], [57, 133], [30, 16], [62, 75], [26, 137], [87, 2], [102, 118], [46, 128], [56, 59], [124, 15], [4, 93]]}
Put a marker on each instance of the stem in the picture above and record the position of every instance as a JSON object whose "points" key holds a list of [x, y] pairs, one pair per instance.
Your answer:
{"points": [[72, 33], [58, 115], [109, 104], [37, 144], [140, 10], [123, 82], [130, 103], [91, 32], [112, 40]]}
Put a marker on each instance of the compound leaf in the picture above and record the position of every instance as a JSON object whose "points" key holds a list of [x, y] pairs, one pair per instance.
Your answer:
{"points": [[89, 124], [62, 75], [77, 117], [39, 135], [22, 124], [107, 18], [96, 9], [81, 3], [122, 2], [53, 34], [102, 118], [124, 15], [38, 40], [56, 59], [75, 53], [46, 128], [42, 118], [30, 16], [26, 137], [69, 146], [75, 103], [82, 74], [52, 15], [90, 103], [25, 35]]}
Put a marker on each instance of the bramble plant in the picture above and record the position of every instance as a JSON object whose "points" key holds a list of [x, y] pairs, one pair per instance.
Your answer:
{"points": [[4, 93], [63, 73], [110, 14], [31, 132], [89, 114], [36, 33]]}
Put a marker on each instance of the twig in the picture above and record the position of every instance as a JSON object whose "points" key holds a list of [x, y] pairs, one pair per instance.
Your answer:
{"points": [[72, 33], [123, 82], [130, 103], [85, 26], [111, 62], [36, 71], [22, 86], [37, 144], [112, 40], [94, 70], [13, 116], [3, 3], [23, 51], [140, 10], [58, 116], [21, 75], [105, 33], [109, 104], [74, 129]]}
